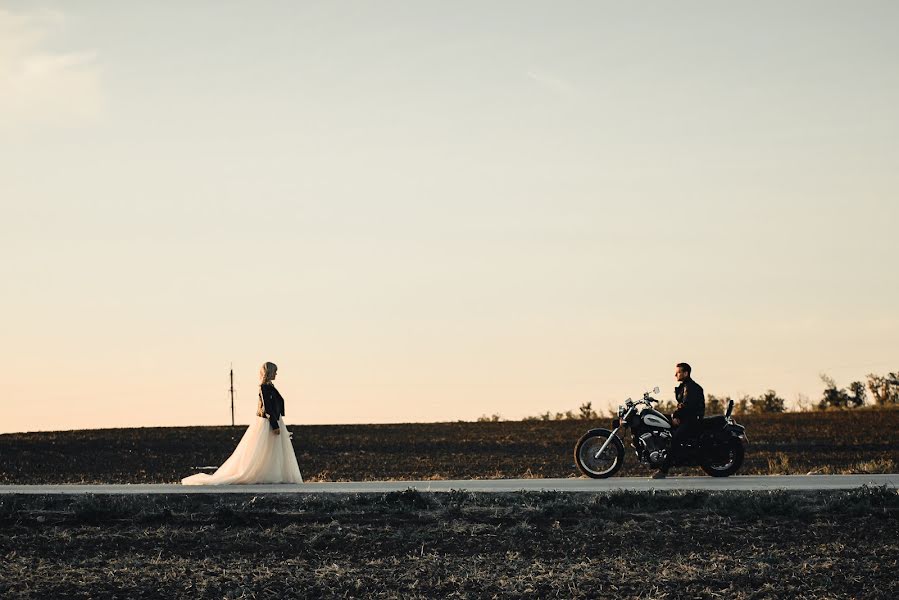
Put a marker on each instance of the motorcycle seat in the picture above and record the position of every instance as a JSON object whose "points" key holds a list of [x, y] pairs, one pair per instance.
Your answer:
{"points": [[714, 423]]}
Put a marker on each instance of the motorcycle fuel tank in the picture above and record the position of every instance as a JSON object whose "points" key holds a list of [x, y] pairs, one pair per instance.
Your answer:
{"points": [[653, 418]]}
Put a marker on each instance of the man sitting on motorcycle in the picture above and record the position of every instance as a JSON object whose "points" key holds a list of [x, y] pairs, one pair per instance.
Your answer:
{"points": [[687, 418]]}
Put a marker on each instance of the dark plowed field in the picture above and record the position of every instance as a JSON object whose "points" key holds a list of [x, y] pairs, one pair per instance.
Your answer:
{"points": [[829, 442], [453, 545]]}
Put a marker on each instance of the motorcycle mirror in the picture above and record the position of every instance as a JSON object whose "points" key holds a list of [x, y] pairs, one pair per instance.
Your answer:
{"points": [[730, 407], [655, 390]]}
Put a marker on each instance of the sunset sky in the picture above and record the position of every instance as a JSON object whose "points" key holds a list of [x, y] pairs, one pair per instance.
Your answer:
{"points": [[430, 211]]}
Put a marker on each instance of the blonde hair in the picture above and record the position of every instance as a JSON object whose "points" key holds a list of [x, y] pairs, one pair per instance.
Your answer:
{"points": [[266, 372]]}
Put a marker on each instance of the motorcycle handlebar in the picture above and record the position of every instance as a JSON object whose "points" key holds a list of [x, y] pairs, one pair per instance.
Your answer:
{"points": [[647, 399]]}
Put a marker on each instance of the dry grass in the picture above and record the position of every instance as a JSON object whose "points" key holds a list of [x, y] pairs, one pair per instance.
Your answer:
{"points": [[868, 467]]}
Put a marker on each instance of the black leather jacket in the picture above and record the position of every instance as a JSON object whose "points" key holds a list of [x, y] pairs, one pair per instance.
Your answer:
{"points": [[690, 401], [271, 404]]}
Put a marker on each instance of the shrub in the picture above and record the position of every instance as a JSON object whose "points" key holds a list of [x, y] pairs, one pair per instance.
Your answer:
{"points": [[884, 389], [835, 397], [769, 402]]}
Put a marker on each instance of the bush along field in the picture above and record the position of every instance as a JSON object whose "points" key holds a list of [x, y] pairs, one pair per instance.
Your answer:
{"points": [[860, 441], [453, 545]]}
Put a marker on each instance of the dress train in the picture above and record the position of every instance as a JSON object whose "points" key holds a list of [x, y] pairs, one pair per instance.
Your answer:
{"points": [[260, 457]]}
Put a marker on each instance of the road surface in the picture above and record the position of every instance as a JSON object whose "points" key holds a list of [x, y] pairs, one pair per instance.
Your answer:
{"points": [[748, 482]]}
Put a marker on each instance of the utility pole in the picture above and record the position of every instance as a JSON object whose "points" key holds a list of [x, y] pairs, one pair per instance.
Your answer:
{"points": [[232, 394]]}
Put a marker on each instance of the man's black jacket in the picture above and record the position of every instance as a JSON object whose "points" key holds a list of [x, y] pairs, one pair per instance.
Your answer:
{"points": [[271, 404], [690, 401]]}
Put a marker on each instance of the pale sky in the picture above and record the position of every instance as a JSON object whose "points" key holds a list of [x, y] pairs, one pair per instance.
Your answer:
{"points": [[430, 211]]}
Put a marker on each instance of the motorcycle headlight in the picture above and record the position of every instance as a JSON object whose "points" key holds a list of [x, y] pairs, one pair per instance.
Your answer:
{"points": [[621, 411]]}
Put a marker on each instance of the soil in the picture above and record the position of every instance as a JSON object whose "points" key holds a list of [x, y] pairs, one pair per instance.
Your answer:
{"points": [[864, 441], [453, 545]]}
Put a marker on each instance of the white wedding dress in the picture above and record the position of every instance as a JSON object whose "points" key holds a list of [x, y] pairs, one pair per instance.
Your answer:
{"points": [[260, 457]]}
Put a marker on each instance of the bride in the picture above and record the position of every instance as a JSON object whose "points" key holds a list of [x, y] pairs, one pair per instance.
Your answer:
{"points": [[264, 454]]}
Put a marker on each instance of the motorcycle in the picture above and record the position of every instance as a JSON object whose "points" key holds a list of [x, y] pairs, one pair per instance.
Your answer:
{"points": [[718, 449]]}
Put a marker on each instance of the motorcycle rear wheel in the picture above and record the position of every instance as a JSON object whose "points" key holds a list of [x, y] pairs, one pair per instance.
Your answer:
{"points": [[603, 466], [727, 463]]}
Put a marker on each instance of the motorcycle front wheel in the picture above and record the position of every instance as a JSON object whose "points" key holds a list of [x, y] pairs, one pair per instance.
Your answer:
{"points": [[598, 466], [725, 461]]}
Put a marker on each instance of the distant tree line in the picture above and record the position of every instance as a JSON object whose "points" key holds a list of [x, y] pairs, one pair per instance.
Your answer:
{"points": [[585, 413], [769, 402], [884, 391]]}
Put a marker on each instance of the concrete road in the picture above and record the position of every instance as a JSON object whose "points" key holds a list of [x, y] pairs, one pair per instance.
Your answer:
{"points": [[784, 482]]}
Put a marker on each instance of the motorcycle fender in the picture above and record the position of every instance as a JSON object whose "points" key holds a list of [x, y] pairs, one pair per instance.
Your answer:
{"points": [[735, 430], [713, 440], [603, 431], [718, 438]]}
